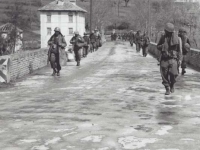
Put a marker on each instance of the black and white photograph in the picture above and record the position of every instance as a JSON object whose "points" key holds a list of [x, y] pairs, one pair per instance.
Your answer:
{"points": [[99, 74]]}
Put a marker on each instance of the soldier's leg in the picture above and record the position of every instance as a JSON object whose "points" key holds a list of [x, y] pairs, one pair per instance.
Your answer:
{"points": [[173, 74], [143, 51], [86, 51], [53, 63], [78, 57], [146, 51], [137, 47], [183, 65], [164, 70]]}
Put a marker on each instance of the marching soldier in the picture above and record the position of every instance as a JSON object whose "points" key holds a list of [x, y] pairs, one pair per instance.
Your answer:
{"points": [[169, 46], [131, 37], [144, 44], [93, 41], [185, 48], [138, 40], [57, 45], [87, 42], [78, 43]]}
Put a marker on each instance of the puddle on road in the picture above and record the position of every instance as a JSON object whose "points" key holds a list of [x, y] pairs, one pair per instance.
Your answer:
{"points": [[164, 130], [143, 128], [132, 142]]}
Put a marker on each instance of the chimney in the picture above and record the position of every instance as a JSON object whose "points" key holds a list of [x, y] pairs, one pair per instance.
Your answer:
{"points": [[59, 2], [73, 1]]}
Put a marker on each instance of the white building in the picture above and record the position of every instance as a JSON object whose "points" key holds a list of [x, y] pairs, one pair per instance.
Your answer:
{"points": [[64, 14]]}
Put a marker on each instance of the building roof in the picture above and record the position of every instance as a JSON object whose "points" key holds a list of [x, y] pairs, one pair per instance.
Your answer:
{"points": [[62, 6], [8, 27]]}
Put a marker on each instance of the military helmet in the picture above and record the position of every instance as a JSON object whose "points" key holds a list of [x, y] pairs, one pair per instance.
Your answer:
{"points": [[182, 29], [169, 27], [76, 32], [57, 29]]}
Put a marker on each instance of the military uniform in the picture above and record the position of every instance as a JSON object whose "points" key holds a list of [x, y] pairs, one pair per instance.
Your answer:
{"points": [[93, 41], [131, 38], [78, 43], [169, 46], [145, 44], [87, 42], [57, 45], [185, 48], [138, 41]]}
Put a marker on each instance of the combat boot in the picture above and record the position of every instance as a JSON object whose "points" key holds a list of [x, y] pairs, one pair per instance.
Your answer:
{"points": [[172, 88], [183, 71], [54, 73], [167, 91], [78, 63]]}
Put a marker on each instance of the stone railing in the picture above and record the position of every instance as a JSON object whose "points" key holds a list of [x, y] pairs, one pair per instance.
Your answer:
{"points": [[19, 64], [193, 57]]}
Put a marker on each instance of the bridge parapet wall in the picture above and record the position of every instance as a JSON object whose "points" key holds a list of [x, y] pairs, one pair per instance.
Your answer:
{"points": [[193, 57], [20, 64]]}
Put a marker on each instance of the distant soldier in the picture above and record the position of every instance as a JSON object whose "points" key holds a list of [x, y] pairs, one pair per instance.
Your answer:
{"points": [[78, 43], [57, 44], [131, 37], [87, 42], [93, 41], [138, 37], [144, 44], [98, 38], [169, 46], [185, 48]]}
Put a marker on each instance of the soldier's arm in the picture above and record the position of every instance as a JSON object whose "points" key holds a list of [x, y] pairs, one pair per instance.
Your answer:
{"points": [[188, 41], [50, 40], [72, 41], [160, 43], [63, 44], [180, 51]]}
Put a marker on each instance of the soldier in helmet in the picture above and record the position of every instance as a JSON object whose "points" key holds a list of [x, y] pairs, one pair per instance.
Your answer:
{"points": [[138, 37], [169, 46], [93, 41], [87, 42], [57, 44], [144, 44], [185, 48], [78, 43], [131, 37]]}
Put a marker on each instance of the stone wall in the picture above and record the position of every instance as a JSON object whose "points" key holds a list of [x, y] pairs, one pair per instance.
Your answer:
{"points": [[25, 62], [193, 57]]}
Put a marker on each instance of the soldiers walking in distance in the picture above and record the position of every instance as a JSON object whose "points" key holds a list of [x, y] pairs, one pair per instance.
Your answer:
{"points": [[78, 43], [145, 44], [169, 46], [131, 37], [86, 46], [138, 37], [57, 44], [93, 41], [98, 39], [185, 48]]}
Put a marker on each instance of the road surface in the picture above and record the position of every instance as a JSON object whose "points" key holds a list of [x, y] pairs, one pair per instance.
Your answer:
{"points": [[113, 101]]}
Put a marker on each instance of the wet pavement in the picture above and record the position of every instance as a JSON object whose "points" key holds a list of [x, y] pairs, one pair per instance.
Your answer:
{"points": [[113, 101]]}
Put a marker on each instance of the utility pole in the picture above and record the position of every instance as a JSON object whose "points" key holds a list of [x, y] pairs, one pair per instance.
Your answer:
{"points": [[149, 20], [91, 16]]}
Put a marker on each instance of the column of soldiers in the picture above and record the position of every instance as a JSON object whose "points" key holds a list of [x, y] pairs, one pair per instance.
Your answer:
{"points": [[141, 41], [173, 49], [57, 45]]}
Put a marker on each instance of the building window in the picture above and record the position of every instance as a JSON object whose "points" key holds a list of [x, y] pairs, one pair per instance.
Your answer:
{"points": [[49, 18], [71, 17], [71, 31], [48, 31]]}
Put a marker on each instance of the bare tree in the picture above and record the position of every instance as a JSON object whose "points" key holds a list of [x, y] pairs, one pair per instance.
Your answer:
{"points": [[126, 2]]}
